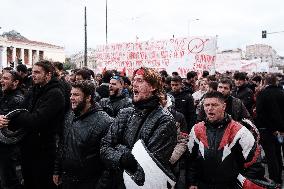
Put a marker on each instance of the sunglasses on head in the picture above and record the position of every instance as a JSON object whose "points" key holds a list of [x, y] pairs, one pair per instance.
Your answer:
{"points": [[118, 78]]}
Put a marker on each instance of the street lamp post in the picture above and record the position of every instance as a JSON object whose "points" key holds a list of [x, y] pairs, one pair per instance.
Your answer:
{"points": [[86, 52], [188, 24], [106, 22]]}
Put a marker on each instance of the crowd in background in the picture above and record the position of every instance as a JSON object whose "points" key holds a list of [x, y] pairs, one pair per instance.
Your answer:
{"points": [[77, 122]]}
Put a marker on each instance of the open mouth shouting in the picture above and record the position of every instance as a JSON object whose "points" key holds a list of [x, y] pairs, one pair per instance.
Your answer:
{"points": [[135, 94]]}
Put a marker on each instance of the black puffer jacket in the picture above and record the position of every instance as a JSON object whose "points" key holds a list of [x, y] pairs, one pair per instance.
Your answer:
{"points": [[149, 122], [11, 100], [112, 105], [79, 153]]}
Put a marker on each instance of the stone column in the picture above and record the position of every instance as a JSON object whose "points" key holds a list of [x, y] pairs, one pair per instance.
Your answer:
{"points": [[14, 54], [22, 55], [30, 57], [3, 58], [37, 56]]}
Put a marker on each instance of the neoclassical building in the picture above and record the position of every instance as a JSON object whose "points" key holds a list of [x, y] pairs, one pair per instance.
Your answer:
{"points": [[15, 49]]}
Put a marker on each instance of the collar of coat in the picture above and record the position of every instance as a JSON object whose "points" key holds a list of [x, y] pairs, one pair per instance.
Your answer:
{"points": [[94, 108]]}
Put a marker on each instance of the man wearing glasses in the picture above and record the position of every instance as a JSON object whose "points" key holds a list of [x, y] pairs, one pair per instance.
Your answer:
{"points": [[147, 121]]}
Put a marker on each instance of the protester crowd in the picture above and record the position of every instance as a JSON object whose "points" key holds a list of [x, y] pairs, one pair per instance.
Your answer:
{"points": [[76, 129]]}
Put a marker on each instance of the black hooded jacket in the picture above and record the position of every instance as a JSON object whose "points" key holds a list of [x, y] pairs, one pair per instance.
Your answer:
{"points": [[44, 119]]}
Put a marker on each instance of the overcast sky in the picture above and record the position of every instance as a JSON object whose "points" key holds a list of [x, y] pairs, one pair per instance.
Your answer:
{"points": [[237, 23]]}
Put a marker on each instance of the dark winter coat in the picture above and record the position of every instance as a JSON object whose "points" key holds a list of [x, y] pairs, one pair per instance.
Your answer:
{"points": [[270, 109], [10, 100], [245, 94], [112, 105], [184, 104], [66, 89], [27, 84], [44, 119], [180, 120], [46, 112], [147, 121], [188, 88], [102, 91], [79, 153]]}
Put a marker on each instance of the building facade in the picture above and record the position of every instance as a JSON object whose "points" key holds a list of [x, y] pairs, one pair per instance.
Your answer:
{"points": [[265, 52], [78, 59], [13, 50]]}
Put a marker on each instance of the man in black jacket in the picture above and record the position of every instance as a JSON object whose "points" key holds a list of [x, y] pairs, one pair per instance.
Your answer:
{"points": [[44, 120], [189, 85], [102, 91], [270, 121], [65, 86], [146, 121], [79, 163], [184, 102], [242, 91], [26, 78], [12, 99], [116, 100]]}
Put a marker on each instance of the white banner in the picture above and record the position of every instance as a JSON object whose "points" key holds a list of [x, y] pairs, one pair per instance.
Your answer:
{"points": [[227, 63], [177, 54]]}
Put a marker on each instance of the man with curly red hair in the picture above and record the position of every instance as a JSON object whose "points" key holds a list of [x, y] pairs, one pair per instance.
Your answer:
{"points": [[147, 121]]}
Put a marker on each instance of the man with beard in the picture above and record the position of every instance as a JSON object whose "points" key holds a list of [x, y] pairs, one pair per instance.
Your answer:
{"points": [[12, 99], [45, 104], [146, 121], [79, 165], [234, 106], [116, 100]]}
